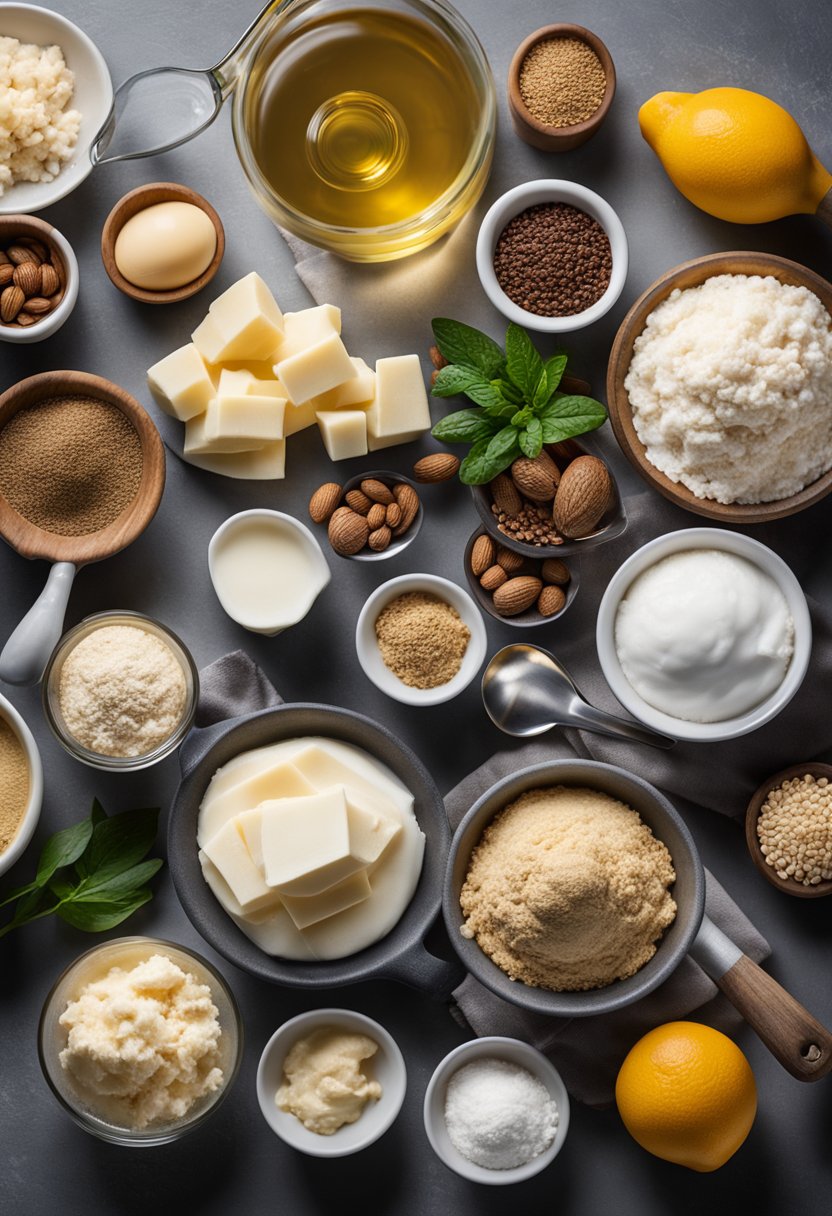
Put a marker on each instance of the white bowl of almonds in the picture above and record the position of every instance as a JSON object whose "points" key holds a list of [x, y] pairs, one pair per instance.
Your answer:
{"points": [[38, 279], [372, 517]]}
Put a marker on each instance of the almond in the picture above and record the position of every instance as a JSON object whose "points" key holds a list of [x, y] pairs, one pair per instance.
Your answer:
{"points": [[482, 555], [376, 516], [348, 532], [358, 501], [19, 253], [493, 578], [505, 495], [37, 247], [324, 501], [380, 538], [392, 514], [517, 595], [555, 571], [533, 479], [6, 273], [37, 306], [408, 502], [12, 300], [582, 497], [376, 490], [49, 279], [437, 358], [27, 276], [550, 601], [439, 466], [511, 562], [434, 376], [25, 318], [544, 459]]}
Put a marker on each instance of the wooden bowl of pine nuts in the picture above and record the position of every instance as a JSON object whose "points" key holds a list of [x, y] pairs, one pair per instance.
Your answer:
{"points": [[788, 830]]}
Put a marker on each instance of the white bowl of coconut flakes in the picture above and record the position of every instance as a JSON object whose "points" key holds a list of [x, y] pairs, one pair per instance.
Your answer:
{"points": [[720, 386], [27, 34]]}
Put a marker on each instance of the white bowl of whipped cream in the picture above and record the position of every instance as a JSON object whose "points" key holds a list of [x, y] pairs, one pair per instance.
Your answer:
{"points": [[704, 634]]}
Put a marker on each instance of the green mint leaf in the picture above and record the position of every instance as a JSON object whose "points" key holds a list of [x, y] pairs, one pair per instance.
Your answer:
{"points": [[531, 439], [97, 814], [106, 914], [522, 417], [465, 426], [30, 906], [566, 417], [62, 887], [118, 843], [466, 346], [541, 392], [554, 368], [453, 380], [109, 886], [503, 448], [62, 849], [17, 893], [523, 362], [509, 391], [475, 469], [491, 399]]}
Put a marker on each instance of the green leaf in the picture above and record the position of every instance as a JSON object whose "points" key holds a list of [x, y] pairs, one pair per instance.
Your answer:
{"points": [[62, 887], [523, 362], [114, 886], [466, 346], [96, 917], [554, 368], [451, 381], [541, 392], [17, 893], [566, 417], [531, 439], [522, 417], [503, 448], [509, 391], [119, 842], [465, 426], [62, 849], [30, 906], [475, 469]]}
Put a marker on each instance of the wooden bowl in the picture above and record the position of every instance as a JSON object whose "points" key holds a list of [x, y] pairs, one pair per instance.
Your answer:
{"points": [[692, 274], [531, 617], [134, 202], [540, 134], [787, 885], [33, 542]]}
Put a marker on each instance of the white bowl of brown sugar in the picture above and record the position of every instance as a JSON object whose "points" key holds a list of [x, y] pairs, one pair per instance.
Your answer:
{"points": [[21, 785], [552, 255], [420, 639]]}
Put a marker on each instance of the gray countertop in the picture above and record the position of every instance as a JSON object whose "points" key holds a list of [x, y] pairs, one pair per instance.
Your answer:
{"points": [[235, 1163]]}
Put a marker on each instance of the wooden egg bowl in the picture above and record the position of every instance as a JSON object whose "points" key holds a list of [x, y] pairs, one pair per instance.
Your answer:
{"points": [[33, 542], [787, 885], [138, 200], [692, 274]]}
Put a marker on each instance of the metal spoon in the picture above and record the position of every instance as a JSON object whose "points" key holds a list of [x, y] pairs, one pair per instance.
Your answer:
{"points": [[526, 691]]}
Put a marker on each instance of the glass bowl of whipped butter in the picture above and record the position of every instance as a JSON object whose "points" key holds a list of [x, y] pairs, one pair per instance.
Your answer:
{"points": [[140, 1040]]}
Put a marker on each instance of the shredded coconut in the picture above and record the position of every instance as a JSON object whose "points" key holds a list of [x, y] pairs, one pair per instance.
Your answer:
{"points": [[499, 1115], [37, 132], [122, 691], [730, 385]]}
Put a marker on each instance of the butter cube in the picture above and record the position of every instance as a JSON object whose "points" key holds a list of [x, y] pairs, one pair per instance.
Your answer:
{"points": [[244, 797], [180, 383], [227, 851], [400, 411], [267, 387], [234, 381], [208, 340], [311, 909], [244, 416], [261, 369], [202, 437], [305, 328], [370, 831], [245, 322], [324, 770], [225, 895], [267, 463], [344, 433], [306, 843], [359, 391], [298, 417], [316, 369]]}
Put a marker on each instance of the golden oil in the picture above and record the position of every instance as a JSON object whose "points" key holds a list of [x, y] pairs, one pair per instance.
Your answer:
{"points": [[360, 118]]}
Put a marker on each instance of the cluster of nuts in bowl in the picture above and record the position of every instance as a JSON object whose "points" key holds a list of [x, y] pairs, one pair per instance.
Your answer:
{"points": [[540, 502], [32, 281], [369, 516], [517, 583]]}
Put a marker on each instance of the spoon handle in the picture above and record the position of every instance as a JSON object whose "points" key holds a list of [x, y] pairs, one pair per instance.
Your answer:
{"points": [[587, 717]]}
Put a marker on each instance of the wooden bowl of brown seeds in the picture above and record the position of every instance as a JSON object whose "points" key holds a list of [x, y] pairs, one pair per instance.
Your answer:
{"points": [[38, 279], [490, 569], [788, 830]]}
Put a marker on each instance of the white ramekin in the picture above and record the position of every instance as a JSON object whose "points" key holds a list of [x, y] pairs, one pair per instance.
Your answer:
{"points": [[683, 541], [529, 194], [31, 814]]}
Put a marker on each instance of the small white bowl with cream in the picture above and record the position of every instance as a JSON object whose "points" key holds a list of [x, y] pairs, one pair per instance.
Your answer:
{"points": [[267, 570], [704, 634]]}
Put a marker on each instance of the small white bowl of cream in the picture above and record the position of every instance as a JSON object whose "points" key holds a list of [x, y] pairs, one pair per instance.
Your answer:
{"points": [[704, 634], [267, 570]]}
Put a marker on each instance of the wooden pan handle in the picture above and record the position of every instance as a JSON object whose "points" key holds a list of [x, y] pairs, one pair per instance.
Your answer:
{"points": [[799, 1041]]}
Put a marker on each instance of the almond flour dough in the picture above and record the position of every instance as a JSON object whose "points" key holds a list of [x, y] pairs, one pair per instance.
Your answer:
{"points": [[568, 890]]}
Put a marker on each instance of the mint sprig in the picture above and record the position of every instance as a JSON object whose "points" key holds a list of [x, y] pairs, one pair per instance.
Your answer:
{"points": [[93, 874], [516, 392]]}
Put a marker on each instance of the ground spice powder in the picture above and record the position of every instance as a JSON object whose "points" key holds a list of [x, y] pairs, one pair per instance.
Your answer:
{"points": [[70, 465], [553, 260], [562, 81], [14, 784], [422, 639], [568, 890]]}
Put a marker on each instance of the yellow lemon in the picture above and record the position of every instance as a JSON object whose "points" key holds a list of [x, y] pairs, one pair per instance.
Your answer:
{"points": [[686, 1093], [736, 154]]}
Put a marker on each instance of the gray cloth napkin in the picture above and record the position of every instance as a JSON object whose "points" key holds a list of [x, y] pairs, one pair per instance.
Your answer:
{"points": [[231, 686]]}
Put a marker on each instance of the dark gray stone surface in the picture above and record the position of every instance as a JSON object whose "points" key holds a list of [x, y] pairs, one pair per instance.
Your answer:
{"points": [[235, 1164]]}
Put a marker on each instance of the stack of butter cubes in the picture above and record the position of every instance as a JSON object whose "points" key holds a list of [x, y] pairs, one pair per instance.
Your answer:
{"points": [[252, 376]]}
